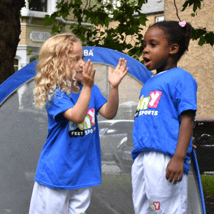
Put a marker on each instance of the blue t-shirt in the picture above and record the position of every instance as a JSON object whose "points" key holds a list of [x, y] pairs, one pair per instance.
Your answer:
{"points": [[157, 120], [70, 158]]}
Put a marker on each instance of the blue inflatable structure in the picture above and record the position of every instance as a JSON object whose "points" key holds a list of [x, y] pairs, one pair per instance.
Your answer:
{"points": [[100, 55]]}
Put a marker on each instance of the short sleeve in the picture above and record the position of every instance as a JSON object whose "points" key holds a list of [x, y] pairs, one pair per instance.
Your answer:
{"points": [[186, 93], [59, 103]]}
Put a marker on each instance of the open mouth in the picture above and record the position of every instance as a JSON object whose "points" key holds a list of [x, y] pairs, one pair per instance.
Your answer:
{"points": [[146, 61]]}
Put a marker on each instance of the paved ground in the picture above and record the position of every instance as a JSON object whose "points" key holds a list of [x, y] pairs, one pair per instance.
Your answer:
{"points": [[114, 196], [109, 167]]}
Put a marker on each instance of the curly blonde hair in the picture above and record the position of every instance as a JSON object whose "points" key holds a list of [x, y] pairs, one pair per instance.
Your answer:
{"points": [[54, 68]]}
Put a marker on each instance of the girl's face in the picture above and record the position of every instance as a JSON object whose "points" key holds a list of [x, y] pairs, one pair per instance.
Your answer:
{"points": [[156, 52], [78, 62]]}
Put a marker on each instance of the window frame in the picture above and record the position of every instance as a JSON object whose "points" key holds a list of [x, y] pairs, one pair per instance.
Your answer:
{"points": [[51, 7], [46, 5]]}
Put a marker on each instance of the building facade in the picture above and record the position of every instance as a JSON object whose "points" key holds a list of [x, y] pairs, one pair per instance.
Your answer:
{"points": [[34, 33], [199, 61]]}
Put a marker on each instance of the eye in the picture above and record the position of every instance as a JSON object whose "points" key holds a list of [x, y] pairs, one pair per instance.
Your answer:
{"points": [[153, 44], [77, 59]]}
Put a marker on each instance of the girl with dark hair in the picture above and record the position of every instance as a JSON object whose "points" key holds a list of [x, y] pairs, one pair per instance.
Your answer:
{"points": [[163, 125]]}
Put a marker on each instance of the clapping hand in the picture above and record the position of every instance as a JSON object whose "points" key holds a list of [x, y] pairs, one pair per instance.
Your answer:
{"points": [[115, 76], [88, 74]]}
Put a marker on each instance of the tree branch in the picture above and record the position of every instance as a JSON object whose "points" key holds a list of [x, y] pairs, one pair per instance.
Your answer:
{"points": [[177, 11]]}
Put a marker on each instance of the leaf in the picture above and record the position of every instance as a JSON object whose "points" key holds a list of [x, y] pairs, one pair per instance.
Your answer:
{"points": [[202, 41], [49, 20], [209, 37], [143, 20], [196, 4], [55, 29]]}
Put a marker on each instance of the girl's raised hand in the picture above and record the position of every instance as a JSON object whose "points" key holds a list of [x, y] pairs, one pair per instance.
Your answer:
{"points": [[115, 76], [88, 74]]}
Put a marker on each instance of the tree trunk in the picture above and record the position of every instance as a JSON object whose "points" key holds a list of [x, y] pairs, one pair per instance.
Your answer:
{"points": [[9, 35]]}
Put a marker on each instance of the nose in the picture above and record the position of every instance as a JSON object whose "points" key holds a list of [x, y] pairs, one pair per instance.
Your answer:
{"points": [[145, 49]]}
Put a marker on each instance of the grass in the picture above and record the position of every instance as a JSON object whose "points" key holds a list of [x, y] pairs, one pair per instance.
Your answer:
{"points": [[208, 185], [208, 188]]}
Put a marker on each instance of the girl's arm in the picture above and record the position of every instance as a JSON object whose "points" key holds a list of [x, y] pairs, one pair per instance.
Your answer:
{"points": [[174, 170], [109, 109], [78, 112]]}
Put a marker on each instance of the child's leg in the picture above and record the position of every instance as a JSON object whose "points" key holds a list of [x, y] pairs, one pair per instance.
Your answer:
{"points": [[140, 200], [162, 196], [46, 200], [79, 200]]}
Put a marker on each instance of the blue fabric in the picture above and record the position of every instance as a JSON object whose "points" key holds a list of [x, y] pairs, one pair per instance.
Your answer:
{"points": [[71, 158], [97, 55], [17, 79], [111, 57], [157, 120]]}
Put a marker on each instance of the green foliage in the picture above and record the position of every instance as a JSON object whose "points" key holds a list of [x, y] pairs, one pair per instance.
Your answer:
{"points": [[29, 51], [195, 3], [100, 15], [203, 36], [200, 34], [208, 185]]}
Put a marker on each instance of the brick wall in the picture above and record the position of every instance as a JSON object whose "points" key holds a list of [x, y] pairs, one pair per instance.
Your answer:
{"points": [[199, 61]]}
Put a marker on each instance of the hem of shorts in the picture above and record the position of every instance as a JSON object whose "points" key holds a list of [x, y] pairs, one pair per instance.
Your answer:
{"points": [[67, 187]]}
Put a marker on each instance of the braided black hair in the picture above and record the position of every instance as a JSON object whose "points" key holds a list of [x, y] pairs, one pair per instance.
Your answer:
{"points": [[177, 34]]}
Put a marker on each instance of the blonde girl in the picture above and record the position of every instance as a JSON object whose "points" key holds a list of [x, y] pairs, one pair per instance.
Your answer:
{"points": [[70, 161]]}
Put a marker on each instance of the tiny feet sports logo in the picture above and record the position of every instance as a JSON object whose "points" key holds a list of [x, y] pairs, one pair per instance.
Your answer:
{"points": [[155, 206], [147, 103], [85, 128]]}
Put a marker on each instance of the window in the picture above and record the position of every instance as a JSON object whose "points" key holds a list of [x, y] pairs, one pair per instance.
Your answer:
{"points": [[159, 18], [38, 5], [39, 8], [16, 65]]}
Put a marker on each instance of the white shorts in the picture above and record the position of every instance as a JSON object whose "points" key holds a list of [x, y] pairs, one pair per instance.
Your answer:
{"points": [[152, 192], [46, 200]]}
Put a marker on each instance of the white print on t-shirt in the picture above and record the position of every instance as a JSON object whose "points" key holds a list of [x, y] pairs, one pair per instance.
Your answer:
{"points": [[148, 112]]}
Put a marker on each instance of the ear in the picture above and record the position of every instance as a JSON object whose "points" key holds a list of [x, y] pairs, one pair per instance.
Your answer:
{"points": [[174, 48]]}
